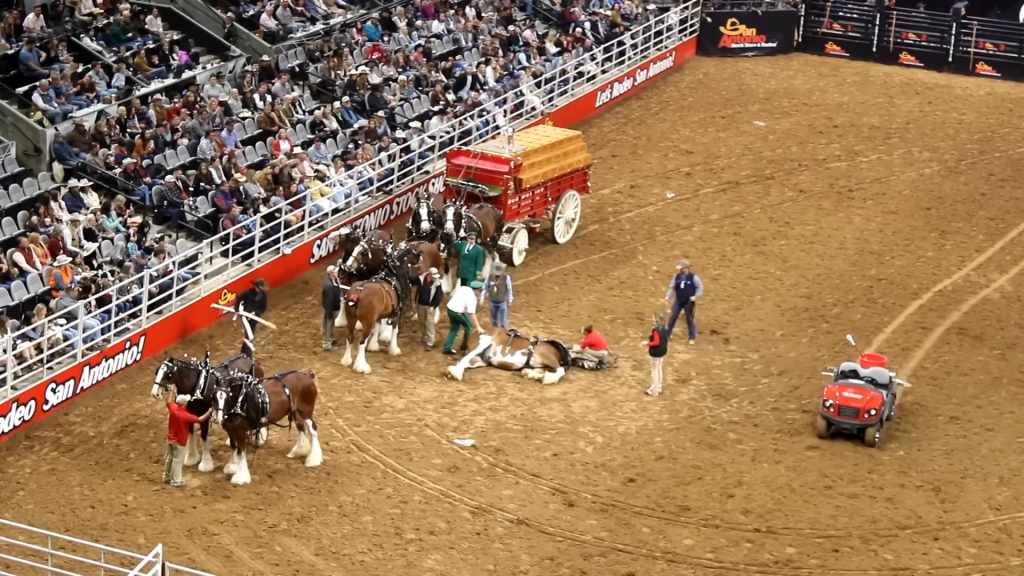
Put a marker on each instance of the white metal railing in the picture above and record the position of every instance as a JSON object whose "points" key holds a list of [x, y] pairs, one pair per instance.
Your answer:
{"points": [[229, 255], [25, 551]]}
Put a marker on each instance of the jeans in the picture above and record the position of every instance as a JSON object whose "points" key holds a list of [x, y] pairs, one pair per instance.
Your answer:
{"points": [[186, 276], [157, 73], [71, 335], [327, 328], [79, 102], [142, 193], [690, 309], [499, 314], [108, 92], [172, 212], [91, 329]]}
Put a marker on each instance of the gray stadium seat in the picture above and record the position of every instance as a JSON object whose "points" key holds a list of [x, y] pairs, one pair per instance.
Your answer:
{"points": [[332, 147], [35, 284], [106, 250], [45, 181], [261, 150], [301, 134], [5, 297], [9, 227], [18, 291], [183, 155], [16, 193], [22, 219], [159, 159]]}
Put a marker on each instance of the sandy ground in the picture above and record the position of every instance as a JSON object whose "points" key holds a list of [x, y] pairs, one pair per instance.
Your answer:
{"points": [[873, 200]]}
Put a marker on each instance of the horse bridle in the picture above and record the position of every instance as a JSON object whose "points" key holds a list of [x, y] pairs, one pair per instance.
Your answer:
{"points": [[365, 246], [165, 373]]}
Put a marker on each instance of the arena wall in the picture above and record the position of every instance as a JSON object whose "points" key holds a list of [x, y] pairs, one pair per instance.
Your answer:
{"points": [[22, 409]]}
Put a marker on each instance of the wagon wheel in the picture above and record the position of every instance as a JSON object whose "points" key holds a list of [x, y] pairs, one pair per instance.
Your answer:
{"points": [[520, 241], [566, 217]]}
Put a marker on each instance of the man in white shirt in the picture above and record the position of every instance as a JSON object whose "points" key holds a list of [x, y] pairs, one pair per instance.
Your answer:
{"points": [[270, 25], [155, 24], [462, 314], [35, 23]]}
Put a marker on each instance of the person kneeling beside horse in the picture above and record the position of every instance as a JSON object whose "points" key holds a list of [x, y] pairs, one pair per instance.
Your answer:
{"points": [[538, 359], [592, 353]]}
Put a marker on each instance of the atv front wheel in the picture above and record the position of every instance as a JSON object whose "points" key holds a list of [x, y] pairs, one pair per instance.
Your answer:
{"points": [[872, 435], [821, 427]]}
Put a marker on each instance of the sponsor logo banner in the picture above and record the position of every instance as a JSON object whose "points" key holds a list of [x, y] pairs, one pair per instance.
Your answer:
{"points": [[908, 59], [632, 81], [748, 33], [986, 70], [835, 49]]}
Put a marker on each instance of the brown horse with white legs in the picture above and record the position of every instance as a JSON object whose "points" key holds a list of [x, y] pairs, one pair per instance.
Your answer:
{"points": [[197, 379], [538, 359], [244, 406], [483, 218], [376, 306]]}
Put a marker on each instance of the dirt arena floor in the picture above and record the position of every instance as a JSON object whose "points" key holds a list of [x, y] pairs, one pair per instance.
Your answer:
{"points": [[879, 201]]}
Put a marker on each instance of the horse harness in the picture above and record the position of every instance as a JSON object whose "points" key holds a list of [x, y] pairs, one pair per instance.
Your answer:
{"points": [[252, 386]]}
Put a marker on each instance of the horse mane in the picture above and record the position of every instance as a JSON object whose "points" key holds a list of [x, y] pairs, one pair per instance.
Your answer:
{"points": [[251, 405]]}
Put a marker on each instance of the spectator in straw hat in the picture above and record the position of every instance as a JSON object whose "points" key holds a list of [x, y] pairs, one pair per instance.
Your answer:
{"points": [[428, 298], [686, 287], [330, 299]]}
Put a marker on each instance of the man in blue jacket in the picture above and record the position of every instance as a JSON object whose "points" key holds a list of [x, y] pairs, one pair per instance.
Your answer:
{"points": [[686, 287]]}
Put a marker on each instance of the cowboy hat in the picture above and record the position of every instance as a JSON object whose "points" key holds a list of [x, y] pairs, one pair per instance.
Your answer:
{"points": [[499, 267], [76, 217], [261, 284], [265, 58], [683, 264], [61, 261], [415, 124], [73, 183], [84, 183], [128, 161], [239, 178]]}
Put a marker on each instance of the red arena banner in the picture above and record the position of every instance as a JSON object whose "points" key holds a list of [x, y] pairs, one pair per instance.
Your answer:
{"points": [[37, 402], [625, 85]]}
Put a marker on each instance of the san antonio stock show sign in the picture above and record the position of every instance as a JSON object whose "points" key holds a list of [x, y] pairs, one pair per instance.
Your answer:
{"points": [[735, 33]]}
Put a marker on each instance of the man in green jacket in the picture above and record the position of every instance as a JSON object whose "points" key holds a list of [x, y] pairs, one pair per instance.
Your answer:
{"points": [[471, 259]]}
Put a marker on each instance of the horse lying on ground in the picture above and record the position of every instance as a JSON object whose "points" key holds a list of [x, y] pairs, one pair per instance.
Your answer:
{"points": [[191, 377], [244, 406], [543, 360]]}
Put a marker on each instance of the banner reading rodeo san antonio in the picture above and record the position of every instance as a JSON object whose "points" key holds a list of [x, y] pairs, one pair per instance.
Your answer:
{"points": [[742, 33]]}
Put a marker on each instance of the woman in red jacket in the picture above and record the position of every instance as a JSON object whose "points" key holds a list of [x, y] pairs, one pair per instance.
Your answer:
{"points": [[657, 345], [282, 145]]}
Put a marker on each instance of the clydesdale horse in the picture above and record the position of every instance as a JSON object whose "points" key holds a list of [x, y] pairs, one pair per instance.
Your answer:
{"points": [[538, 359]]}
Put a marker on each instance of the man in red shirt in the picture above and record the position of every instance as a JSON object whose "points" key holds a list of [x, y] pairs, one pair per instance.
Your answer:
{"points": [[593, 346], [179, 420]]}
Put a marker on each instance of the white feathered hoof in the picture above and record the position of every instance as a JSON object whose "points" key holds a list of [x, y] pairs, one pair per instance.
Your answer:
{"points": [[261, 437], [346, 360], [206, 464], [553, 377], [361, 366], [301, 448], [316, 456], [232, 466], [242, 477], [456, 372]]}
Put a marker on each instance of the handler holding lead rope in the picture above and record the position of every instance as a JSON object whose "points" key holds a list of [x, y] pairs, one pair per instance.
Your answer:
{"points": [[254, 301]]}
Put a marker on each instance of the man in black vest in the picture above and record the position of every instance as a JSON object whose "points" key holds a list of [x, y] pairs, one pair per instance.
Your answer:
{"points": [[686, 287], [428, 298], [254, 301]]}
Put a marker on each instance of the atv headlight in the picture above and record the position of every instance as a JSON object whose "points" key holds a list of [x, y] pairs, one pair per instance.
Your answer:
{"points": [[871, 413], [828, 404]]}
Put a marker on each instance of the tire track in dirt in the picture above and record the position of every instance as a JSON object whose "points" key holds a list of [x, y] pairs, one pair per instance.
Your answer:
{"points": [[375, 456], [700, 523]]}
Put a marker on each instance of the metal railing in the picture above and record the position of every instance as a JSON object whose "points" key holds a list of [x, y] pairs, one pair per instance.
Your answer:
{"points": [[25, 551], [209, 266]]}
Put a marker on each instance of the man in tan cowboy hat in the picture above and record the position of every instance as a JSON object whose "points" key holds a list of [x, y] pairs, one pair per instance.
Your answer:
{"points": [[428, 298], [254, 301], [498, 291], [686, 287]]}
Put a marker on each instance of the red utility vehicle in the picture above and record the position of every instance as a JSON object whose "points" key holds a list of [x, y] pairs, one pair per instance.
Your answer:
{"points": [[860, 399]]}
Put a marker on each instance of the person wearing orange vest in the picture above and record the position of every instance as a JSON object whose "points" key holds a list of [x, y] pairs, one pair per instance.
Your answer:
{"points": [[62, 276]]}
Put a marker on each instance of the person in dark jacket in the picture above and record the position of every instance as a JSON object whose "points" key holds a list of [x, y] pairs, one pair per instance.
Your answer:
{"points": [[657, 345], [428, 298], [686, 287], [254, 301], [330, 299]]}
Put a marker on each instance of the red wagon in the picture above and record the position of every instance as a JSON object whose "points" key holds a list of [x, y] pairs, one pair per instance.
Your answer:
{"points": [[537, 173]]}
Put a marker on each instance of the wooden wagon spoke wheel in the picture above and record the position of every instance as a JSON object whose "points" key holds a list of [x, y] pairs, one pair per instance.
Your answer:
{"points": [[567, 216]]}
